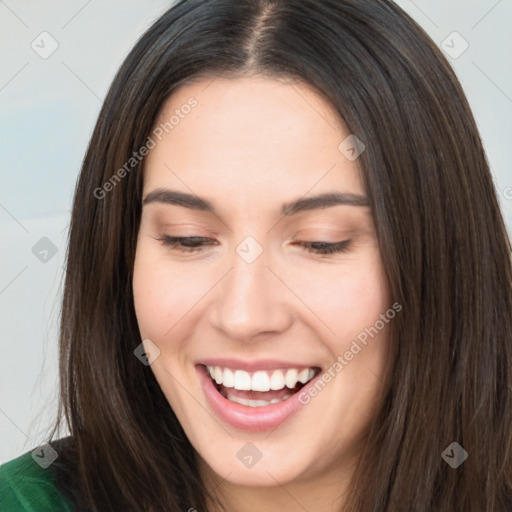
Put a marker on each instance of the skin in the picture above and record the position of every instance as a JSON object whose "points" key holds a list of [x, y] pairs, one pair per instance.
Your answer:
{"points": [[246, 137]]}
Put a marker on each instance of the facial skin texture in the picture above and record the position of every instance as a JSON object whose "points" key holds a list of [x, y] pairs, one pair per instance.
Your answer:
{"points": [[250, 145]]}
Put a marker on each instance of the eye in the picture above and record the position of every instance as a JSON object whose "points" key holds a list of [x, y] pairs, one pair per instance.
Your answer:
{"points": [[185, 244], [326, 248], [193, 244]]}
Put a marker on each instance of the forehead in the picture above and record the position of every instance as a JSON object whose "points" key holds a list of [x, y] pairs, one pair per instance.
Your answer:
{"points": [[249, 133]]}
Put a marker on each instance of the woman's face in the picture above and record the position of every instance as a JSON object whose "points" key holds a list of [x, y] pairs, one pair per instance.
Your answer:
{"points": [[252, 302]]}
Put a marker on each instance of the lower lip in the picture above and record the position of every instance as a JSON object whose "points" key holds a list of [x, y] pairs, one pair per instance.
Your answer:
{"points": [[256, 419]]}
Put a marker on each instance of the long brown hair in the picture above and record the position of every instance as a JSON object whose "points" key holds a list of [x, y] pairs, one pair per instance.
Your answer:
{"points": [[442, 238]]}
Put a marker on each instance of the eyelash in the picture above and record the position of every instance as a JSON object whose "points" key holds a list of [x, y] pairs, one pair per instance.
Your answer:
{"points": [[322, 248]]}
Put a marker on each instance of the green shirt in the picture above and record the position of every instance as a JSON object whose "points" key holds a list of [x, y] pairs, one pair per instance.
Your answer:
{"points": [[25, 486]]}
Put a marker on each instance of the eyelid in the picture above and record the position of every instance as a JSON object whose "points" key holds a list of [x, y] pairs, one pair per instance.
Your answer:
{"points": [[323, 248], [329, 248]]}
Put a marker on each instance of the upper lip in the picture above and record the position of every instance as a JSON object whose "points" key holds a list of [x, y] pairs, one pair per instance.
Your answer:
{"points": [[254, 365]]}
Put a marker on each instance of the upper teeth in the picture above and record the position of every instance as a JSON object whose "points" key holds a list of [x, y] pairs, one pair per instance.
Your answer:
{"points": [[260, 380]]}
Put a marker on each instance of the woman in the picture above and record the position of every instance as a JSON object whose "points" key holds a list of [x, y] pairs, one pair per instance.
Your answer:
{"points": [[288, 281]]}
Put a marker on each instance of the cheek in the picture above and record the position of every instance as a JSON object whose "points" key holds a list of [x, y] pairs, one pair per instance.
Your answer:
{"points": [[154, 303], [363, 300], [163, 294], [345, 298]]}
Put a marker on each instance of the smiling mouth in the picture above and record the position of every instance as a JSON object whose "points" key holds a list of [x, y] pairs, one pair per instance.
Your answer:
{"points": [[260, 388]]}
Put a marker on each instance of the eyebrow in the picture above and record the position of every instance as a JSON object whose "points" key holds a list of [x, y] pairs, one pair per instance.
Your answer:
{"points": [[174, 197]]}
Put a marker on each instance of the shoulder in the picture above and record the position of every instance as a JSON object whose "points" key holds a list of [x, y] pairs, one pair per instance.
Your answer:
{"points": [[28, 482]]}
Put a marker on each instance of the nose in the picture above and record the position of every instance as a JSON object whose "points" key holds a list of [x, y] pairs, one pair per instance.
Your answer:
{"points": [[251, 301]]}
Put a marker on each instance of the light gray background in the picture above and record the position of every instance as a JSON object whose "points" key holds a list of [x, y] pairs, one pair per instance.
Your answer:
{"points": [[48, 109]]}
